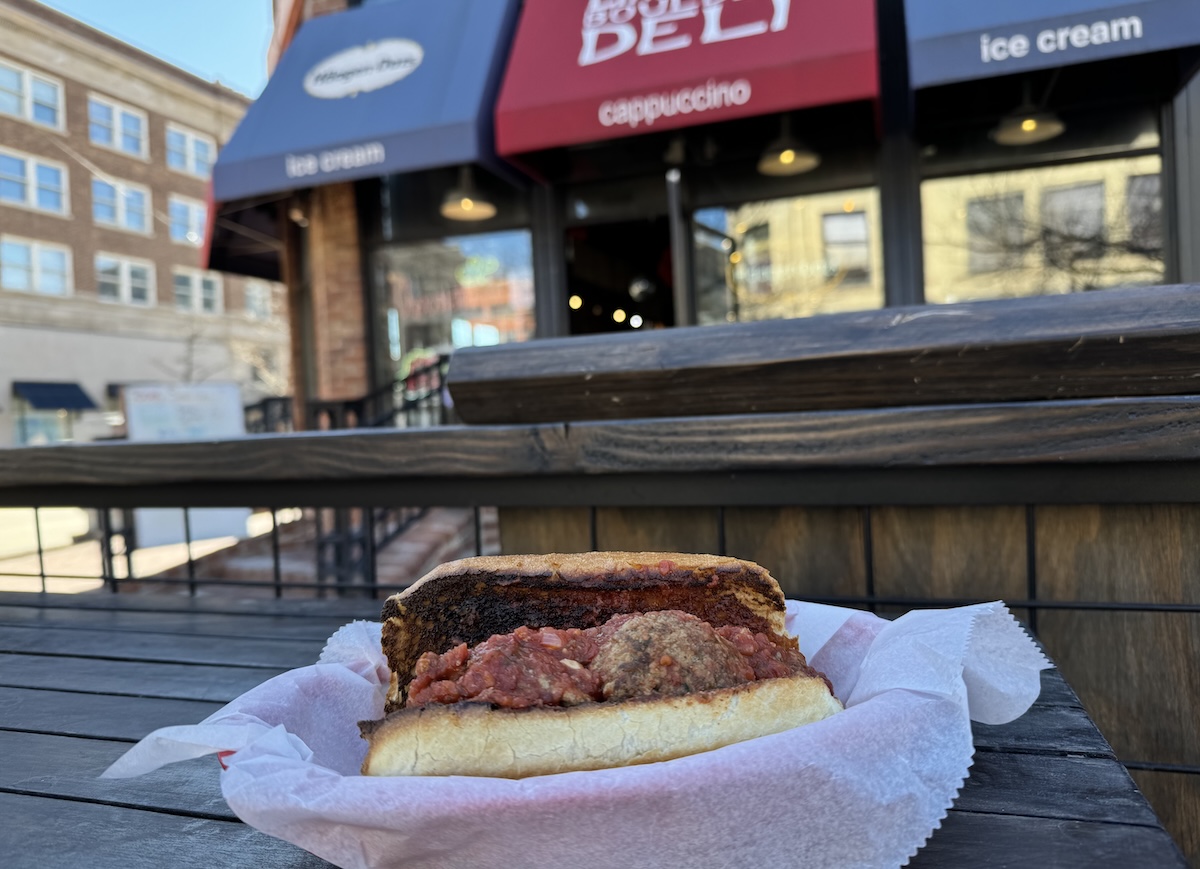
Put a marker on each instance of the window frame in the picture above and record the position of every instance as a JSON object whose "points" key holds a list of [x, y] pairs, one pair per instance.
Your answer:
{"points": [[28, 76], [853, 277], [196, 278], [264, 289], [119, 186], [125, 265], [36, 248], [1137, 199], [197, 212], [119, 109], [1086, 249], [190, 138], [987, 262], [32, 163]]}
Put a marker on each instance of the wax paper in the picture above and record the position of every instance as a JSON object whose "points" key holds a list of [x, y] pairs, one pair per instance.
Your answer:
{"points": [[864, 788]]}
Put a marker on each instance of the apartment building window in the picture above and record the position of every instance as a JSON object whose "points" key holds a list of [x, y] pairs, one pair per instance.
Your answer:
{"points": [[188, 219], [847, 247], [1144, 211], [258, 300], [787, 257], [124, 280], [30, 97], [121, 204], [198, 291], [190, 152], [32, 183], [1073, 223], [112, 125], [34, 267], [995, 232]]}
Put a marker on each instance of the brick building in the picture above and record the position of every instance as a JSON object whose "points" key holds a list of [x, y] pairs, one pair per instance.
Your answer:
{"points": [[105, 156]]}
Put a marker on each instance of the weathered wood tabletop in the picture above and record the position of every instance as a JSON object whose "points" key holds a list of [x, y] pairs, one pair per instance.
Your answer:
{"points": [[84, 677]]}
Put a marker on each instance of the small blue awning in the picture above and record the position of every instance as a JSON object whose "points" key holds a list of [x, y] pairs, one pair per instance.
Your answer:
{"points": [[53, 396], [385, 88], [960, 40]]}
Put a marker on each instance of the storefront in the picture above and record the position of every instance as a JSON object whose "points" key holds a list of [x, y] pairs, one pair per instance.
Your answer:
{"points": [[1051, 154], [468, 172], [368, 163], [709, 162]]}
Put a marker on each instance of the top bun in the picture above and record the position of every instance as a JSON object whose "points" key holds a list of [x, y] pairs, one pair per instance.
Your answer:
{"points": [[470, 600]]}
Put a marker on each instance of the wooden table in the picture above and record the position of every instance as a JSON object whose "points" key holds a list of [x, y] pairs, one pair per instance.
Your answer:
{"points": [[83, 677]]}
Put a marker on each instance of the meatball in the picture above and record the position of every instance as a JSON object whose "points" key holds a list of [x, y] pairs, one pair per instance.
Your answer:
{"points": [[667, 653]]}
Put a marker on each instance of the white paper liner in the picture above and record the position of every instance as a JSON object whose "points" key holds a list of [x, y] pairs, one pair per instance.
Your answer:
{"points": [[864, 788]]}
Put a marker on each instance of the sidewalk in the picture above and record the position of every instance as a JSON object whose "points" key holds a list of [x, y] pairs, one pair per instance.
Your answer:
{"points": [[443, 534], [77, 568], [60, 527]]}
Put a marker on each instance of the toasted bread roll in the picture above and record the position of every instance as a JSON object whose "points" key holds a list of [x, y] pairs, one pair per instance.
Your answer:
{"points": [[474, 739]]}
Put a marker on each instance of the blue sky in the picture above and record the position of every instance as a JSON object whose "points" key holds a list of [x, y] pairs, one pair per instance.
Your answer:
{"points": [[222, 40]]}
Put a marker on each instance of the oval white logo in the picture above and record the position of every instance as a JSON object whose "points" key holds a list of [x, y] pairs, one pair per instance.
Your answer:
{"points": [[363, 68]]}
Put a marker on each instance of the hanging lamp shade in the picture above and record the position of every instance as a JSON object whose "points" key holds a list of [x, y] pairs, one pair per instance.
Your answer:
{"points": [[1027, 124], [787, 155], [465, 202]]}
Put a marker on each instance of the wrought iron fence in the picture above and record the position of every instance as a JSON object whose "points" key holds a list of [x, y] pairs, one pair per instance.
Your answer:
{"points": [[417, 400]]}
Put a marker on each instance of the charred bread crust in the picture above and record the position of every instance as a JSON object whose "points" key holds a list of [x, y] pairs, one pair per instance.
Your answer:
{"points": [[469, 600], [476, 739]]}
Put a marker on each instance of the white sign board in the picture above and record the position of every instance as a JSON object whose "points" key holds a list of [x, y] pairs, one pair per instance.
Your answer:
{"points": [[363, 68], [185, 412]]}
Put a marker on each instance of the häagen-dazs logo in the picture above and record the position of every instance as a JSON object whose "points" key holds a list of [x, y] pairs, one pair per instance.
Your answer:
{"points": [[363, 68]]}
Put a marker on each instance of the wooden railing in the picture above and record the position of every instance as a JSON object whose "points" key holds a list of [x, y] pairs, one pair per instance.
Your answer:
{"points": [[869, 459]]}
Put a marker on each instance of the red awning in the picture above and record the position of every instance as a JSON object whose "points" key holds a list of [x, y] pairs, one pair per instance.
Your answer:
{"points": [[587, 70]]}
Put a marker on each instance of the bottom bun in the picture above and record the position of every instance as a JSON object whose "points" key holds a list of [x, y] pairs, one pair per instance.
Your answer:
{"points": [[475, 739]]}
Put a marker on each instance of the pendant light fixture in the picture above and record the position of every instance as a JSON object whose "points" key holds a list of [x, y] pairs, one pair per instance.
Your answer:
{"points": [[787, 156], [1027, 124], [465, 202]]}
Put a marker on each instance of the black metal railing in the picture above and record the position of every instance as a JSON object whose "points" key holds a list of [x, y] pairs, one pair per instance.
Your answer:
{"points": [[271, 415], [417, 400], [347, 540]]}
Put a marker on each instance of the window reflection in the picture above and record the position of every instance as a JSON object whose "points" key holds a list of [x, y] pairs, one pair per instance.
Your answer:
{"points": [[791, 257], [462, 291], [1054, 229]]}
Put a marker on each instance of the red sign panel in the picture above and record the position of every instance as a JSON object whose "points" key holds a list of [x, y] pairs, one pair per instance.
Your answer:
{"points": [[587, 70]]}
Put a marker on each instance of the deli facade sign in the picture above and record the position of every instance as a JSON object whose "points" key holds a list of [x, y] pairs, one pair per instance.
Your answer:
{"points": [[612, 28], [953, 41], [639, 65]]}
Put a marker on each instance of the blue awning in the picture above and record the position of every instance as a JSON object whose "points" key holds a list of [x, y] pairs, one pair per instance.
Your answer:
{"points": [[960, 40], [389, 87], [53, 396]]}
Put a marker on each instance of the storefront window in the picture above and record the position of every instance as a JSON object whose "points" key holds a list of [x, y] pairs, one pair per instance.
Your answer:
{"points": [[455, 292], [791, 257], [1037, 231]]}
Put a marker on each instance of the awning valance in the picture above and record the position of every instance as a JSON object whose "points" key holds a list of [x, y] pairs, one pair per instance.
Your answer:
{"points": [[246, 237], [392, 87], [53, 396], [953, 40], [588, 70]]}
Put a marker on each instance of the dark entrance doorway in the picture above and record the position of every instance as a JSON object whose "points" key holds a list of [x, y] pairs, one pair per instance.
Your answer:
{"points": [[619, 276]]}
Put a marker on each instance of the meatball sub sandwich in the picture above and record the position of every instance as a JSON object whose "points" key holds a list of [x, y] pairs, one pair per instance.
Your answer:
{"points": [[516, 666]]}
